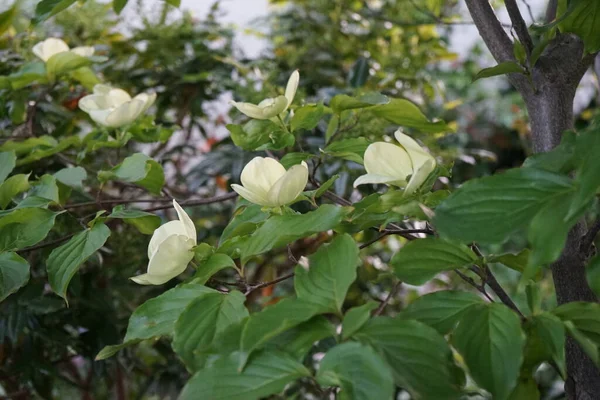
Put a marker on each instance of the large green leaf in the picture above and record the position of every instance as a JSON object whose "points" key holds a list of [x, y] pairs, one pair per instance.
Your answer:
{"points": [[205, 317], [585, 316], [266, 373], [11, 187], [490, 339], [118, 5], [356, 317], [157, 316], [307, 117], [420, 358], [586, 149], [360, 373], [331, 271], [343, 102], [47, 8], [404, 113], [72, 176], [490, 209], [584, 20], [14, 273], [140, 169], [298, 340], [65, 261], [65, 62], [244, 221], [545, 342], [441, 310], [348, 149], [46, 188], [280, 230], [8, 161], [210, 266], [420, 260], [25, 227], [145, 222], [260, 135]]}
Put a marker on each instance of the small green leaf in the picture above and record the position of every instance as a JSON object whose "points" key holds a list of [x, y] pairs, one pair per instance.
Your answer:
{"points": [[584, 20], [145, 222], [86, 77], [72, 176], [593, 274], [298, 340], [307, 117], [356, 317], [28, 74], [14, 273], [348, 149], [65, 261], [294, 158], [545, 342], [585, 316], [266, 373], [587, 345], [174, 3], [360, 373], [359, 73], [65, 62], [404, 113], [46, 188], [7, 163], [490, 339], [586, 149], [24, 227], [260, 135], [506, 67], [526, 389], [331, 271], [139, 169], [343, 102], [517, 262], [11, 187], [6, 19], [47, 8], [441, 310], [244, 222], [420, 260], [211, 266], [118, 5], [202, 320]]}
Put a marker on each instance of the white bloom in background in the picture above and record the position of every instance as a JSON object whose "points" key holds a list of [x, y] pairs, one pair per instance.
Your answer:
{"points": [[114, 107], [271, 107], [392, 164], [266, 182], [52, 46], [170, 250]]}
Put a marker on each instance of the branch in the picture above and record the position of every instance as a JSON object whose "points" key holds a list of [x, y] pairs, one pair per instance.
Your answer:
{"points": [[189, 203], [198, 202], [588, 239], [385, 302], [46, 244], [551, 10], [490, 29], [519, 25], [252, 288]]}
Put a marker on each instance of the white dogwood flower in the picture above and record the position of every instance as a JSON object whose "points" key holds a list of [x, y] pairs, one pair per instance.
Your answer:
{"points": [[170, 250], [266, 182], [51, 46]]}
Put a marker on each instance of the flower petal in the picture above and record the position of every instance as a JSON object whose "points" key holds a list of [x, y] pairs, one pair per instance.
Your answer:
{"points": [[375, 179], [289, 186], [292, 86], [266, 109], [419, 177], [102, 89], [49, 47], [260, 174], [253, 197], [117, 97], [147, 279], [94, 102], [83, 51], [387, 159], [99, 116], [417, 154], [163, 232], [148, 100], [249, 109], [125, 114], [170, 259], [187, 222]]}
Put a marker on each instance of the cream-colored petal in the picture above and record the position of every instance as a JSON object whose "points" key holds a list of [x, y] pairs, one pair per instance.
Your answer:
{"points": [[116, 97], [249, 109], [99, 116], [375, 179], [289, 186], [419, 177], [387, 159], [292, 86], [187, 222], [102, 89], [125, 114], [49, 47], [147, 279], [266, 109], [252, 197], [148, 100], [83, 51], [417, 154], [260, 174], [172, 256], [171, 228], [94, 102]]}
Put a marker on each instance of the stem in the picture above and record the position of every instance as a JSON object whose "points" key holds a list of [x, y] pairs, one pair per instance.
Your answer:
{"points": [[386, 301]]}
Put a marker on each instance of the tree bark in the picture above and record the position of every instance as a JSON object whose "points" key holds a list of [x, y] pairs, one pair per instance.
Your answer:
{"points": [[549, 100]]}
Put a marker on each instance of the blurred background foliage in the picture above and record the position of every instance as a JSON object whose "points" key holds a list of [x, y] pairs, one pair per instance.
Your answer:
{"points": [[397, 47]]}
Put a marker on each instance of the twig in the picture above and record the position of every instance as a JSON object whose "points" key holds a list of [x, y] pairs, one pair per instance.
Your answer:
{"points": [[46, 244], [190, 203], [198, 202], [402, 232], [588, 239], [529, 10], [519, 25], [252, 288], [385, 302], [471, 281], [551, 11]]}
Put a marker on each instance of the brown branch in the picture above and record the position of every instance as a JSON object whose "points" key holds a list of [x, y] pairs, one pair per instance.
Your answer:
{"points": [[252, 288], [493, 283], [551, 10], [46, 244], [519, 25], [471, 281], [198, 202], [491, 30], [386, 301]]}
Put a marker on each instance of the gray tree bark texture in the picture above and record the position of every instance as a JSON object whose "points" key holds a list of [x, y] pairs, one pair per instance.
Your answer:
{"points": [[549, 103]]}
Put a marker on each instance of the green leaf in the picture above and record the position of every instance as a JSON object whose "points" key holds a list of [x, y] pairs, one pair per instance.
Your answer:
{"points": [[28, 74], [145, 222], [343, 102], [72, 176], [65, 261], [584, 21], [359, 73], [139, 169], [23, 147], [118, 5], [174, 3], [506, 67], [244, 222], [6, 19], [14, 273], [559, 159], [490, 209], [348, 149], [517, 262], [211, 266], [526, 389], [46, 188], [356, 317], [204, 318], [65, 62], [331, 271], [280, 230], [360, 373], [47, 8], [586, 149], [441, 310], [593, 274], [260, 135], [587, 345], [86, 77], [7, 163], [545, 342], [419, 261], [11, 187], [404, 113], [585, 316], [307, 117], [25, 227], [298, 340], [490, 339], [294, 158], [266, 373], [420, 359], [39, 153]]}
